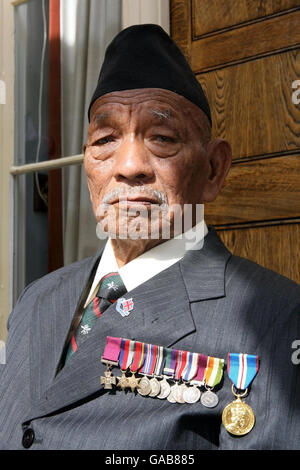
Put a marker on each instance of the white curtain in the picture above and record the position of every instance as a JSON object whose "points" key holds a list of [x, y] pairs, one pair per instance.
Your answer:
{"points": [[87, 27]]}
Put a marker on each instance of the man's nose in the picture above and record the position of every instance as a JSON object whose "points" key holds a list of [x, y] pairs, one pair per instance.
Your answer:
{"points": [[132, 161]]}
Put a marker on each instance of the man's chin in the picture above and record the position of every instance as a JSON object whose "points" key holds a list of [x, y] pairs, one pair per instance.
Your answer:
{"points": [[133, 229]]}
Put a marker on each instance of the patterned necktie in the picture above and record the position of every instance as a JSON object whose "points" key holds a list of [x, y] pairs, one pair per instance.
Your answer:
{"points": [[111, 287]]}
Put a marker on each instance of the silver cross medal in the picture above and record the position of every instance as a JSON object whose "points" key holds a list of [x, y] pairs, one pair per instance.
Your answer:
{"points": [[108, 380]]}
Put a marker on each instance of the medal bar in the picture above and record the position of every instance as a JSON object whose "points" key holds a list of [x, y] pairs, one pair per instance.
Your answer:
{"points": [[179, 376]]}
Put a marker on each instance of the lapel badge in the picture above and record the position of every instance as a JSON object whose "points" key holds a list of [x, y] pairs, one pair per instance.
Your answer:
{"points": [[124, 306]]}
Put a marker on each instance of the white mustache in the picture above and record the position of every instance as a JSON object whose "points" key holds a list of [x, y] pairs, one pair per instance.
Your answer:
{"points": [[125, 192]]}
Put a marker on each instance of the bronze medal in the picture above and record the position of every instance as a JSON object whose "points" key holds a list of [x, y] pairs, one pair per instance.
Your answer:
{"points": [[133, 382], [123, 381]]}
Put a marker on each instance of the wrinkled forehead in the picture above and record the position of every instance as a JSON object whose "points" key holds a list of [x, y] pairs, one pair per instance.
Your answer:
{"points": [[162, 105]]}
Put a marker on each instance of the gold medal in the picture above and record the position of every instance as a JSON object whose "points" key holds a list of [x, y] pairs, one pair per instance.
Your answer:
{"points": [[238, 417]]}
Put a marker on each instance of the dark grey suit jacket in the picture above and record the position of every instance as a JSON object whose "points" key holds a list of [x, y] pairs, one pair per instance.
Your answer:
{"points": [[210, 302]]}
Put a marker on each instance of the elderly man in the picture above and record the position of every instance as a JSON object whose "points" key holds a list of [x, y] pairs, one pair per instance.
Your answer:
{"points": [[154, 343]]}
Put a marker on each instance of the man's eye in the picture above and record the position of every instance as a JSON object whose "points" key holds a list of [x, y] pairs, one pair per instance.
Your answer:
{"points": [[104, 140], [164, 138]]}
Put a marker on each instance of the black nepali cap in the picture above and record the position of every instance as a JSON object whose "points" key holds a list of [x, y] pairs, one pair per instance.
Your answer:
{"points": [[144, 56]]}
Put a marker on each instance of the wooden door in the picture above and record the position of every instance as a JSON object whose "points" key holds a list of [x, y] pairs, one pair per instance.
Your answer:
{"points": [[246, 55]]}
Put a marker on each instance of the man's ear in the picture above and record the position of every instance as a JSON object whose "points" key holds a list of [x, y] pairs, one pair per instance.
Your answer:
{"points": [[219, 157], [84, 148]]}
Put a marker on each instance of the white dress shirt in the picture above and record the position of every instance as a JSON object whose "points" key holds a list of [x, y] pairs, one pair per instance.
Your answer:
{"points": [[151, 262]]}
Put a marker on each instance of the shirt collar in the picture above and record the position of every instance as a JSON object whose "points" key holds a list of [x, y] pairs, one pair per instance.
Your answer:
{"points": [[151, 262]]}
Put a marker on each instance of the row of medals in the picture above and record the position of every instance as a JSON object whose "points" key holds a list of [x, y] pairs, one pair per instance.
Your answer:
{"points": [[175, 393], [237, 417]]}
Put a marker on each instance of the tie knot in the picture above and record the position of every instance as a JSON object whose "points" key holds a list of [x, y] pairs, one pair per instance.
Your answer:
{"points": [[111, 287]]}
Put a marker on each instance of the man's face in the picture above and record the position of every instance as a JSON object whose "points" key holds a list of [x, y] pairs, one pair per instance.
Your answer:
{"points": [[146, 146]]}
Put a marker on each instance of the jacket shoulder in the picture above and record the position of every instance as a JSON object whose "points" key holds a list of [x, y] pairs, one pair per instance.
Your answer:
{"points": [[49, 281], [64, 272], [265, 281]]}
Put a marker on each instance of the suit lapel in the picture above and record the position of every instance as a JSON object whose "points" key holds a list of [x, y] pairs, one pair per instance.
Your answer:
{"points": [[203, 270], [161, 315], [52, 316]]}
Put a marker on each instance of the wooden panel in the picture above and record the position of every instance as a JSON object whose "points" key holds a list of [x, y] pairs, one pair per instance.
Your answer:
{"points": [[181, 25], [252, 106], [253, 40], [246, 61], [275, 247], [265, 189], [213, 15]]}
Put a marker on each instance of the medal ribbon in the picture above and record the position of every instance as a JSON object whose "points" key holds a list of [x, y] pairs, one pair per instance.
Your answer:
{"points": [[139, 356], [146, 348], [171, 360], [201, 368], [242, 368], [191, 367], [214, 371], [150, 359], [181, 363], [126, 353], [112, 349], [159, 361]]}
